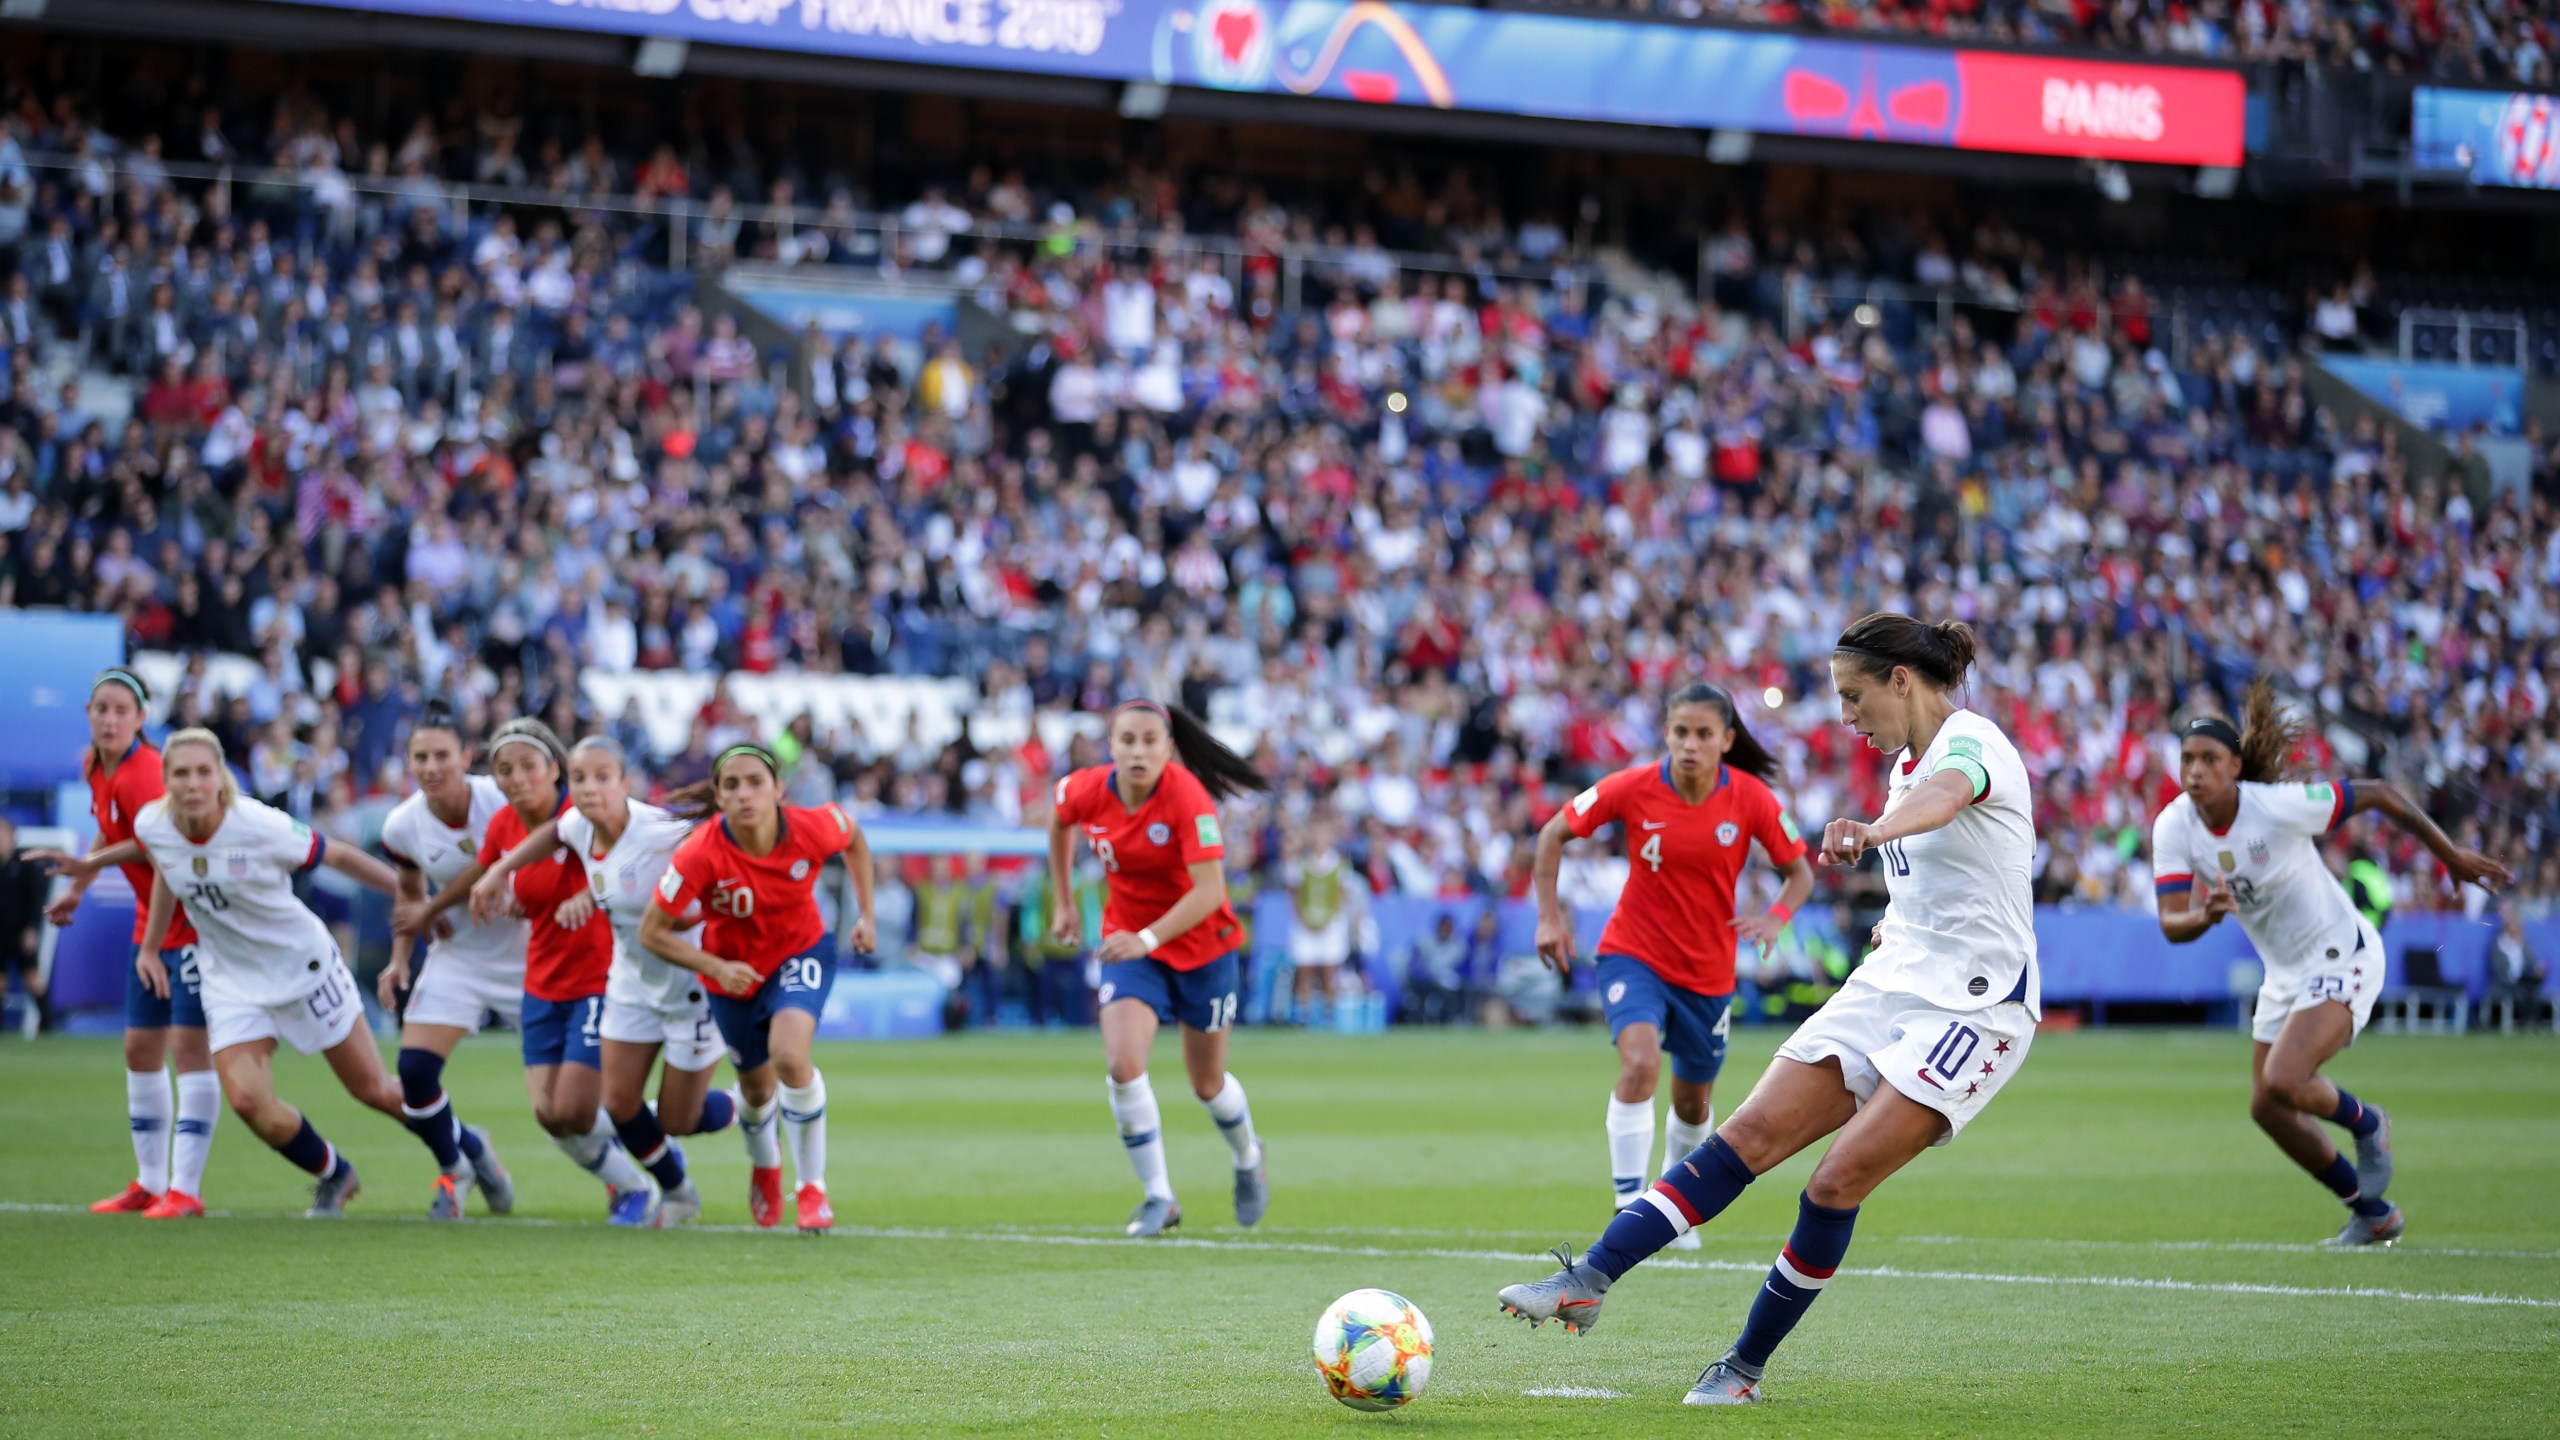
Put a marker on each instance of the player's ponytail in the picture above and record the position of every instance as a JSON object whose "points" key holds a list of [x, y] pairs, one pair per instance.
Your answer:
{"points": [[1940, 654], [1746, 754], [438, 714], [2269, 738], [1221, 771]]}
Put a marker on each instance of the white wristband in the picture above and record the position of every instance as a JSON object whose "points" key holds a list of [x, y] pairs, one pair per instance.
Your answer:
{"points": [[1147, 938]]}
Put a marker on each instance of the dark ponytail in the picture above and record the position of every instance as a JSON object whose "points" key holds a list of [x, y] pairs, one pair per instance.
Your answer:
{"points": [[1222, 771], [438, 714], [1879, 642], [1747, 754], [2269, 739]]}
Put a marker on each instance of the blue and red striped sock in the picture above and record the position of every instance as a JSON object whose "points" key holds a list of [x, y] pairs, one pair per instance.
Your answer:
{"points": [[2359, 1118], [309, 1151], [1695, 1190], [647, 1141], [1812, 1255]]}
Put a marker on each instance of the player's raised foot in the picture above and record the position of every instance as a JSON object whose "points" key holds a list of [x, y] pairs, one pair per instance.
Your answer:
{"points": [[131, 1200], [817, 1217], [444, 1202], [1153, 1217], [1253, 1196], [329, 1198], [2373, 1157], [1571, 1295], [497, 1187], [174, 1204], [633, 1209], [1723, 1384], [682, 1204], [1685, 1240], [764, 1195], [2369, 1230]]}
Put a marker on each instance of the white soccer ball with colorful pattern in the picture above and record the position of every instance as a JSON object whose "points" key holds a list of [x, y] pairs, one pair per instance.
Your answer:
{"points": [[1374, 1350]]}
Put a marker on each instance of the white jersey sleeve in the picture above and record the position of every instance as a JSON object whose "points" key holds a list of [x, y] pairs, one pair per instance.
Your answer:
{"points": [[1959, 924], [2173, 860], [416, 839], [256, 943]]}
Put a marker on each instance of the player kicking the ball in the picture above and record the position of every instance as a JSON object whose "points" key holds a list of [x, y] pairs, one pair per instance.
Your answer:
{"points": [[1911, 1048], [2244, 840]]}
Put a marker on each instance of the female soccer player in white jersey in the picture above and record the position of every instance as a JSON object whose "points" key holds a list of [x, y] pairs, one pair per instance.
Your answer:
{"points": [[472, 970], [2244, 839], [1169, 937], [651, 1004], [270, 970], [1918, 1041]]}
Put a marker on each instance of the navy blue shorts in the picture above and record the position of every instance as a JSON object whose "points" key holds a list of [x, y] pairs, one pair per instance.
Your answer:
{"points": [[1204, 999], [801, 983], [1693, 1025], [561, 1032], [185, 1003]]}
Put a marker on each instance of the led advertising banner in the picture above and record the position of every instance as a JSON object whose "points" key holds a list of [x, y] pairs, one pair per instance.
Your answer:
{"points": [[2495, 138], [1454, 58]]}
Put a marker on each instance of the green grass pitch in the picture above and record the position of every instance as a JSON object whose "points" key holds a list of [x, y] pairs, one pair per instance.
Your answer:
{"points": [[2001, 1287]]}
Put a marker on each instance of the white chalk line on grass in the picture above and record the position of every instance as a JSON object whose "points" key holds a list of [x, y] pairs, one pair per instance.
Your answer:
{"points": [[1506, 1257], [1574, 1392]]}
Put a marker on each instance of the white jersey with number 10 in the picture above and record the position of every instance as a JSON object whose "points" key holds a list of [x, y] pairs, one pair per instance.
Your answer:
{"points": [[1959, 928]]}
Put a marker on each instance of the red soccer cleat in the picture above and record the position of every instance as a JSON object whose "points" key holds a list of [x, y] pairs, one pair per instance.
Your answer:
{"points": [[764, 1195], [817, 1217], [174, 1204], [132, 1200]]}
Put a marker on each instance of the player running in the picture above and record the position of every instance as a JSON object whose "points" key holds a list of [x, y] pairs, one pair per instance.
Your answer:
{"points": [[163, 1023], [1169, 938], [1666, 959], [2244, 839], [472, 970], [650, 1004], [755, 869], [567, 953], [270, 970], [1912, 1047]]}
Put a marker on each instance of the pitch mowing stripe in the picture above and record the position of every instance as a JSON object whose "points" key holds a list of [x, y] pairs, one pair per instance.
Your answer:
{"points": [[1505, 1257]]}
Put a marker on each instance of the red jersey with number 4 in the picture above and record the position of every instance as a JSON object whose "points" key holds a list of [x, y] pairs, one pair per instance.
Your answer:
{"points": [[1676, 914], [113, 802], [1147, 854], [756, 910], [558, 964]]}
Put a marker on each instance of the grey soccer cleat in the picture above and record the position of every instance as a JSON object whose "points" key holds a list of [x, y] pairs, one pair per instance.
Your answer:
{"points": [[497, 1187], [1723, 1384], [444, 1202], [1253, 1195], [680, 1204], [329, 1198], [2373, 1157], [1571, 1295], [2363, 1230], [1153, 1217]]}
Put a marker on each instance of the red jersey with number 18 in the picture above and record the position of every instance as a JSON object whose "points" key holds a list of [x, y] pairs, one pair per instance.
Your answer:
{"points": [[113, 802], [1148, 854], [756, 910], [1676, 914]]}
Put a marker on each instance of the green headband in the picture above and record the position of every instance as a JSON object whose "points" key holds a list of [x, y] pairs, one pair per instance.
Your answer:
{"points": [[747, 748], [127, 679]]}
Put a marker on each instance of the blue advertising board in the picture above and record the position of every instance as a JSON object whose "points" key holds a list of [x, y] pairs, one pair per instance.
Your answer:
{"points": [[2440, 398], [2507, 138], [44, 686]]}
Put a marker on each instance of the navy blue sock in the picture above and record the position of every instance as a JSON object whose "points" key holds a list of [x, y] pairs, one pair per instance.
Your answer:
{"points": [[469, 1141], [719, 1112], [2340, 1177], [424, 1109], [309, 1151], [647, 1141], [1695, 1191], [2359, 1118], [1812, 1254]]}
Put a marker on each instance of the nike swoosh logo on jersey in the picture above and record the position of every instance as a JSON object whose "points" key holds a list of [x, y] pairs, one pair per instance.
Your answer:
{"points": [[1655, 824], [1097, 829]]}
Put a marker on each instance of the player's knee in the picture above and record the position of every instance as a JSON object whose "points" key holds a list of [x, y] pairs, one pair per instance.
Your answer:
{"points": [[793, 1070], [1750, 1140], [144, 1049], [2266, 1108], [188, 1051], [1836, 1189], [1691, 1112], [2300, 1093]]}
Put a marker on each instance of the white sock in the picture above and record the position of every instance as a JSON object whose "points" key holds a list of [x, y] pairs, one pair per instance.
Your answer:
{"points": [[804, 1122], [1630, 1145], [756, 1127], [1133, 1109], [1680, 1137], [199, 1105], [146, 1105], [1235, 1121]]}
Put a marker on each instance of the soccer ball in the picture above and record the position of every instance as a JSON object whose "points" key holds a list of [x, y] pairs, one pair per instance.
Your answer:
{"points": [[1374, 1350]]}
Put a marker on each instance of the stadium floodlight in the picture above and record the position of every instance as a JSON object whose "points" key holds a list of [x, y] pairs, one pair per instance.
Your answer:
{"points": [[1729, 147], [22, 9], [2217, 182], [660, 58], [1143, 100], [2112, 181]]}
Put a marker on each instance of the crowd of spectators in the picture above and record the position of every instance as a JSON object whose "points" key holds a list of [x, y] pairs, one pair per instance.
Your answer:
{"points": [[1433, 545]]}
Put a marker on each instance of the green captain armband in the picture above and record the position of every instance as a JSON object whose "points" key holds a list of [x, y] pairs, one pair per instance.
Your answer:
{"points": [[1968, 767]]}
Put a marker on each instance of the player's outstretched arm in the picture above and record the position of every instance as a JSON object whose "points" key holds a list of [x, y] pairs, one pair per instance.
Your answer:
{"points": [[1922, 808], [2468, 867], [353, 862], [83, 868], [2206, 904], [416, 916], [660, 934], [1555, 927], [489, 892]]}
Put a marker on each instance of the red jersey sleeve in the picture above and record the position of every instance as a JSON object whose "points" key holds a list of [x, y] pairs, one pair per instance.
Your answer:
{"points": [[680, 888], [1775, 829], [1596, 806], [495, 842], [1075, 792], [1195, 827]]}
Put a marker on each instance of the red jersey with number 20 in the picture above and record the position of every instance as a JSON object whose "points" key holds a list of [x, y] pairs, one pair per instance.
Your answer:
{"points": [[1148, 854], [559, 965], [756, 910], [113, 802], [1676, 914]]}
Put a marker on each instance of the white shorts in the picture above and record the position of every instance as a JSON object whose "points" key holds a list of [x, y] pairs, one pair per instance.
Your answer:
{"points": [[1321, 949], [310, 1025], [2353, 979], [684, 1031], [453, 991], [1951, 1061]]}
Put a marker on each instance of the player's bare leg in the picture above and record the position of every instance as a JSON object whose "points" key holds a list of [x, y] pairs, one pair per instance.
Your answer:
{"points": [[248, 1084], [2289, 1097]]}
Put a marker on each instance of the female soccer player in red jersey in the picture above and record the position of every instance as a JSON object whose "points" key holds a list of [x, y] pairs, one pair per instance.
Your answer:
{"points": [[1169, 937], [1666, 959], [566, 956], [753, 872], [163, 1024]]}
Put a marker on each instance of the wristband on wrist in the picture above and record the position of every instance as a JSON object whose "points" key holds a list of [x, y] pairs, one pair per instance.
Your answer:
{"points": [[1147, 937], [1782, 913]]}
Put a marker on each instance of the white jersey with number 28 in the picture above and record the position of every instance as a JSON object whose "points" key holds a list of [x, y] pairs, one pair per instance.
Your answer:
{"points": [[257, 943]]}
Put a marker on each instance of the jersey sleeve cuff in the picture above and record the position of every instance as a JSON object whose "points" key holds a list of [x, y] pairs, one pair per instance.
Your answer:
{"points": [[319, 847], [1971, 769], [2346, 803], [2173, 884]]}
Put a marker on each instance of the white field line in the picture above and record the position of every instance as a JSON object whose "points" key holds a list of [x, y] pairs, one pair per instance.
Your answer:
{"points": [[1505, 1257], [1574, 1392]]}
